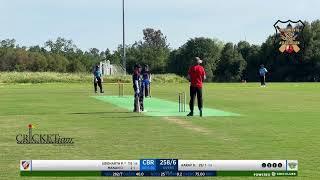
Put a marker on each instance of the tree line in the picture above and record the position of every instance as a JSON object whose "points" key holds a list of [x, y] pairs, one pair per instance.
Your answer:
{"points": [[224, 62], [60, 55]]}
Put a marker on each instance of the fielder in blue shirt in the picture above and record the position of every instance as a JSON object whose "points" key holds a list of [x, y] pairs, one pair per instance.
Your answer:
{"points": [[146, 80], [97, 80], [262, 72]]}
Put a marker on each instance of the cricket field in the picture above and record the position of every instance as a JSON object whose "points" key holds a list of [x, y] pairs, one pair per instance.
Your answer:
{"points": [[281, 121]]}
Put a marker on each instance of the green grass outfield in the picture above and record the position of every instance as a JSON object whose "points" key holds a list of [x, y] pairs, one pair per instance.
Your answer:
{"points": [[281, 121]]}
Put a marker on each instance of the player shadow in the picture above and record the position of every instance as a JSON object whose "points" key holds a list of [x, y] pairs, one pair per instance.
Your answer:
{"points": [[105, 112], [126, 117]]}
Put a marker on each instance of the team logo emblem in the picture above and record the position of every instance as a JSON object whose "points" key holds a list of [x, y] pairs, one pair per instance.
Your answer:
{"points": [[289, 36], [25, 165], [292, 165]]}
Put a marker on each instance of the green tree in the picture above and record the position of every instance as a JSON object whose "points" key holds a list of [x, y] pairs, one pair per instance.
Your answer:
{"points": [[57, 62], [37, 62], [231, 64], [312, 51], [253, 63], [205, 48], [61, 45], [8, 43], [153, 50]]}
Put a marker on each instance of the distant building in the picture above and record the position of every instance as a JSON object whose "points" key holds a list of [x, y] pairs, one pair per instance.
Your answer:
{"points": [[106, 68]]}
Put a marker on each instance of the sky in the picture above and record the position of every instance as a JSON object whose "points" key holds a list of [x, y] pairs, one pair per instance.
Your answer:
{"points": [[98, 23]]}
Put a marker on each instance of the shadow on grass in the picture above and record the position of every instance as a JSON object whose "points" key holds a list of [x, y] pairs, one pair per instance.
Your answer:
{"points": [[122, 114], [105, 112]]}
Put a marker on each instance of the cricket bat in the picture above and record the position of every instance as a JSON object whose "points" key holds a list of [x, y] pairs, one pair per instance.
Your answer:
{"points": [[296, 48], [282, 48]]}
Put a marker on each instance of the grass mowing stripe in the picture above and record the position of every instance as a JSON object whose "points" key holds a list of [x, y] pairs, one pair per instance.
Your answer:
{"points": [[159, 107]]}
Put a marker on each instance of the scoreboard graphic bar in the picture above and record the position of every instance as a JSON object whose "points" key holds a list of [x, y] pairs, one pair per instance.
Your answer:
{"points": [[158, 167]]}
